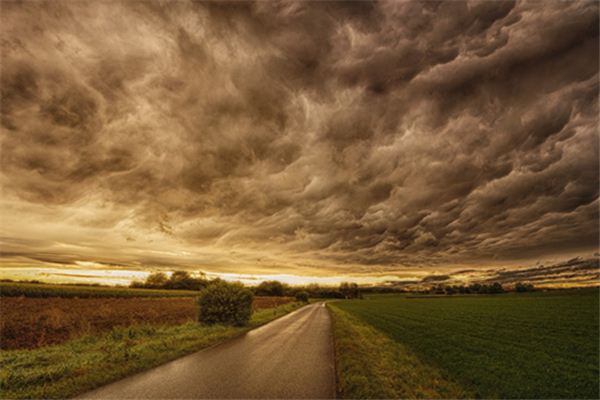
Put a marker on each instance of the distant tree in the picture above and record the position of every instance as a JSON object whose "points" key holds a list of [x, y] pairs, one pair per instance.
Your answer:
{"points": [[485, 289], [496, 288], [271, 288], [214, 281], [225, 303], [475, 288], [156, 280], [355, 291], [179, 280], [349, 290], [302, 296], [345, 289], [439, 289], [182, 280], [313, 287], [316, 291], [524, 287]]}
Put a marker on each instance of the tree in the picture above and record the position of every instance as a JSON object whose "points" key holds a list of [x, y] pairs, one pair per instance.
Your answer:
{"points": [[271, 288], [302, 296], [225, 303], [524, 287], [496, 288], [475, 288], [183, 280], [345, 289], [439, 289], [450, 290], [179, 280], [156, 280], [350, 290]]}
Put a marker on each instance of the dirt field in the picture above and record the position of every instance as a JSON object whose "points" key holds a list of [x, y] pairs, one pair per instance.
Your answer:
{"points": [[34, 322]]}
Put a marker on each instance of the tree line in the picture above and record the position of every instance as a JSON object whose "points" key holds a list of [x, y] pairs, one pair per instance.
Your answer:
{"points": [[478, 288], [183, 280], [178, 280]]}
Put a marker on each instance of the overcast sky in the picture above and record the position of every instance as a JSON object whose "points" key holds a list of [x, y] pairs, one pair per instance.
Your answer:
{"points": [[382, 139]]}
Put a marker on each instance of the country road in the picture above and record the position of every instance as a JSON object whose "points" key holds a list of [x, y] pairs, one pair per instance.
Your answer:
{"points": [[291, 357]]}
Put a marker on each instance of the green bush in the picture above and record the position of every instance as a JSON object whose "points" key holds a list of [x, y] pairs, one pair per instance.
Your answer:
{"points": [[225, 303], [302, 296]]}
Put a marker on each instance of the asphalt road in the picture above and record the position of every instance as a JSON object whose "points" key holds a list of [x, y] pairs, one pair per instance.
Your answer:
{"points": [[291, 357]]}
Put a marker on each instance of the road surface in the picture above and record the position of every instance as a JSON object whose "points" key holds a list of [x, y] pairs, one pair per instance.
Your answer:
{"points": [[291, 357]]}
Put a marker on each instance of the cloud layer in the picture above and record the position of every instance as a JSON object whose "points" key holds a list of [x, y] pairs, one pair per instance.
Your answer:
{"points": [[299, 136]]}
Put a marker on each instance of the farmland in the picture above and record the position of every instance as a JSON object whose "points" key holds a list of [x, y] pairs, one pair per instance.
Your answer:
{"points": [[536, 345], [16, 289], [34, 322]]}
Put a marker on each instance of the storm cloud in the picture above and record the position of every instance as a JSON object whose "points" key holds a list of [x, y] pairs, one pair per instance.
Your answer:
{"points": [[303, 137]]}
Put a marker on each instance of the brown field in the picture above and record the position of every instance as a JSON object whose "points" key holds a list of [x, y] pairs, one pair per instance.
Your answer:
{"points": [[270, 302], [33, 322]]}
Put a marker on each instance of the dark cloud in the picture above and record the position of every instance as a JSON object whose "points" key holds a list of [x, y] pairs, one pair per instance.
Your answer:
{"points": [[435, 278], [575, 272], [568, 271], [361, 136]]}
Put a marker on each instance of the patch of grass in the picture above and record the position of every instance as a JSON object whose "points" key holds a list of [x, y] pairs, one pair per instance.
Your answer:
{"points": [[533, 345], [16, 289], [82, 364], [370, 365]]}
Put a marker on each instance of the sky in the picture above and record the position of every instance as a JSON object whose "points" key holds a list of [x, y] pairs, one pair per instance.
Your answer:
{"points": [[309, 141]]}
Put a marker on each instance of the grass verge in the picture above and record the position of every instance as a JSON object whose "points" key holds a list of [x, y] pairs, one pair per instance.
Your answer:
{"points": [[369, 365], [85, 363]]}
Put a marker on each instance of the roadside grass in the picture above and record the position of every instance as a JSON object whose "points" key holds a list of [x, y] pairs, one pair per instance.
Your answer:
{"points": [[531, 345], [369, 365], [79, 365]]}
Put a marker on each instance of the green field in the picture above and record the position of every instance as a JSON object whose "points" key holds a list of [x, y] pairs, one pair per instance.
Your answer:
{"points": [[51, 290], [535, 345]]}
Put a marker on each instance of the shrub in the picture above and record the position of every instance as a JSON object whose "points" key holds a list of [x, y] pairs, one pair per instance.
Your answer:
{"points": [[302, 296], [225, 303]]}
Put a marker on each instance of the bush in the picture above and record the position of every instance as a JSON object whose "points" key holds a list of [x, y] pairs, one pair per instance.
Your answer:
{"points": [[302, 296], [225, 303]]}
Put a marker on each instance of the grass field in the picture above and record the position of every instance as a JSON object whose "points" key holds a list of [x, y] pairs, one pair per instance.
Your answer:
{"points": [[67, 369], [34, 322], [17, 289], [536, 345], [370, 365]]}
